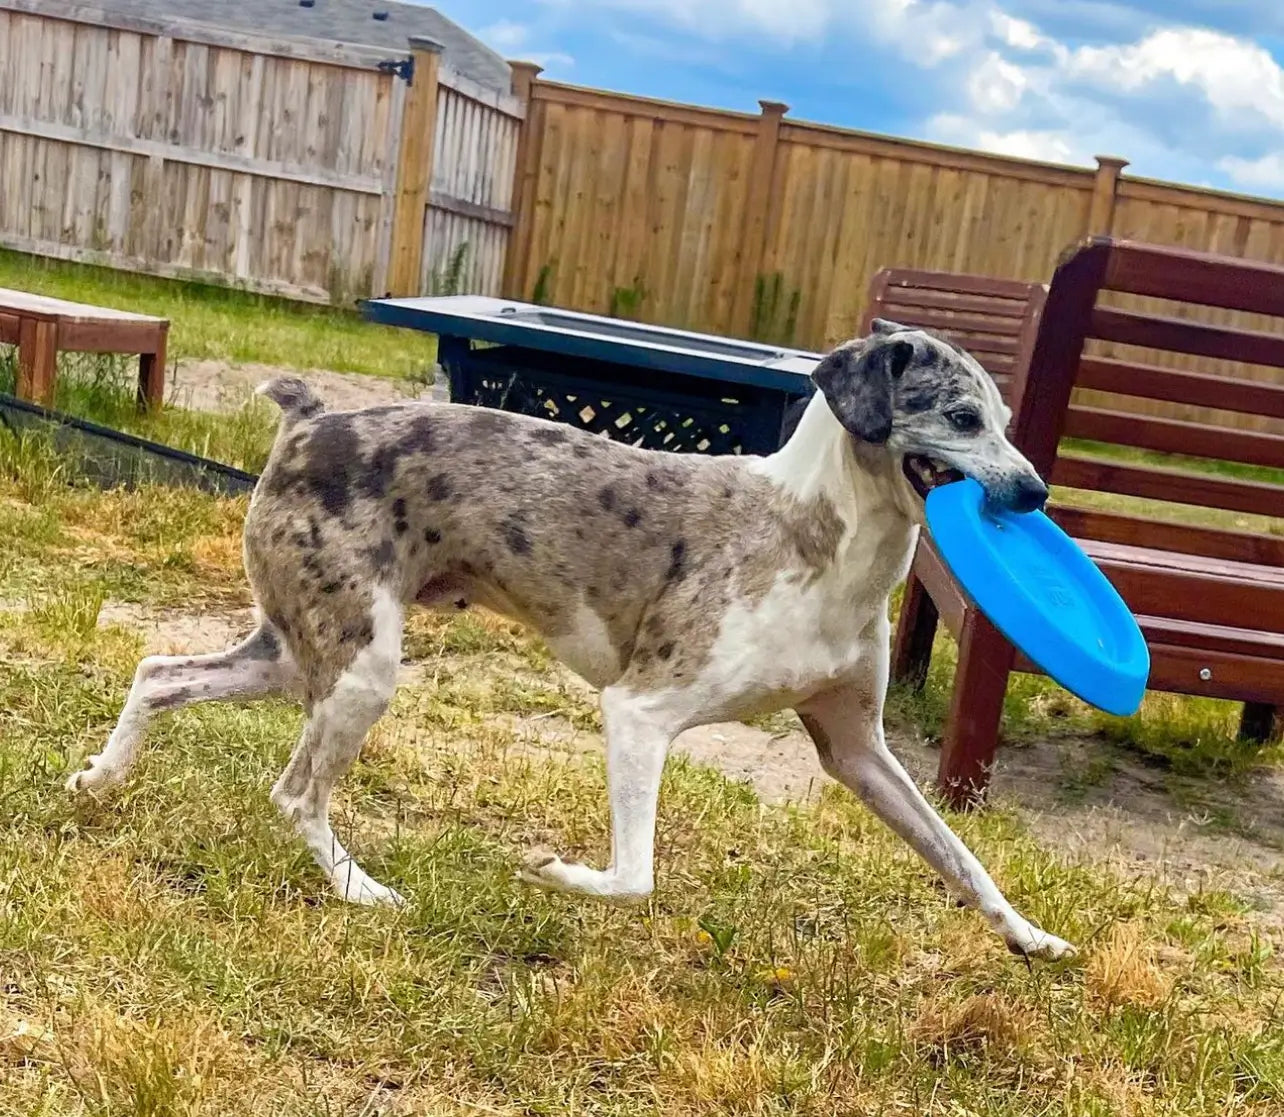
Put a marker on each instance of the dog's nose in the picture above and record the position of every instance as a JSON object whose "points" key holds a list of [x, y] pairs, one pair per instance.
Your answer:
{"points": [[1030, 494]]}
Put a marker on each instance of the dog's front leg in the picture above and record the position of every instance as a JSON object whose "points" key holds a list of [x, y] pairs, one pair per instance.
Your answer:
{"points": [[637, 741], [847, 726]]}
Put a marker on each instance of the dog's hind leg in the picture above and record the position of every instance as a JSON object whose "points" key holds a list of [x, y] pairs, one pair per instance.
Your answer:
{"points": [[257, 667], [846, 725], [336, 727], [638, 736]]}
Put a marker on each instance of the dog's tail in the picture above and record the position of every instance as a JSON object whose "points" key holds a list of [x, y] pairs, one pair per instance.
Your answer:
{"points": [[295, 399]]}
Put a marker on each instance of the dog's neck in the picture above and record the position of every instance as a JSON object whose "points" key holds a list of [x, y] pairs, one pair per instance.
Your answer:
{"points": [[823, 459], [864, 484]]}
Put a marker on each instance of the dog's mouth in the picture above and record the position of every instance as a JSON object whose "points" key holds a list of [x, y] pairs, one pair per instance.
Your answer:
{"points": [[925, 473]]}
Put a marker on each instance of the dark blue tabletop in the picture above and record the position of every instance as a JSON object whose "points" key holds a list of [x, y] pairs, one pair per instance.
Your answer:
{"points": [[605, 339]]}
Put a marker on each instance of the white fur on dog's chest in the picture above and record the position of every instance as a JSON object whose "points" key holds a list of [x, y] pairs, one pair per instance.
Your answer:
{"points": [[796, 640]]}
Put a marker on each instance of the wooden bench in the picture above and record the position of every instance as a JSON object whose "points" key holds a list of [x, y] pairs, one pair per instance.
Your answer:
{"points": [[41, 326], [994, 319], [1209, 599]]}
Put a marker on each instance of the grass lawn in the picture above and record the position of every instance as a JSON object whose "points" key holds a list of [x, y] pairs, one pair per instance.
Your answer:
{"points": [[173, 951], [223, 324]]}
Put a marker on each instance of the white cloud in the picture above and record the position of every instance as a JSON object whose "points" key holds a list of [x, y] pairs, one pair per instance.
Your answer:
{"points": [[505, 36], [1236, 76], [1266, 173], [1015, 32], [510, 39], [1045, 146], [996, 85]]}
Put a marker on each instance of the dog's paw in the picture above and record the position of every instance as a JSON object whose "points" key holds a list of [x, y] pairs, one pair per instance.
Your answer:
{"points": [[548, 871], [96, 779], [1030, 942], [371, 894]]}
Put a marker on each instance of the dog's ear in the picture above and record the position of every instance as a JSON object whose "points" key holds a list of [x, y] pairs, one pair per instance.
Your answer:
{"points": [[883, 327], [857, 382]]}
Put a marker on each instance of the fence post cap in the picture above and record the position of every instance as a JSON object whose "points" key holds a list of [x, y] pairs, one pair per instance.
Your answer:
{"points": [[773, 108], [422, 42], [1115, 161]]}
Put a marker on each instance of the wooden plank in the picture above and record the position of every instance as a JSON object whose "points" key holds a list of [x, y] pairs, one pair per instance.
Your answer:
{"points": [[1011, 311], [37, 357], [414, 172], [597, 100], [109, 337], [1189, 539], [1171, 273], [1223, 393], [1242, 678], [179, 153], [1179, 335], [1173, 436], [1202, 598], [1211, 637], [1169, 485], [757, 230]]}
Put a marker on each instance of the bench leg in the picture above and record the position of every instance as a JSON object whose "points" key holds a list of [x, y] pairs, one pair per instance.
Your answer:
{"points": [[1261, 724], [37, 360], [976, 710], [151, 375], [915, 633]]}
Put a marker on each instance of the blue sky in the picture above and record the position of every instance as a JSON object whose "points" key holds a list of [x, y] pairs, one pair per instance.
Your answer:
{"points": [[1187, 90]]}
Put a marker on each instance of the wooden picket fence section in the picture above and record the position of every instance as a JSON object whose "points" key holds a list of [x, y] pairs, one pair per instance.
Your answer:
{"points": [[288, 167]]}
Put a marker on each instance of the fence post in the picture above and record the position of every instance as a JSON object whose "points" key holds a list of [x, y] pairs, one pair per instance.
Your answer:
{"points": [[757, 213], [414, 170], [525, 181], [1101, 216]]}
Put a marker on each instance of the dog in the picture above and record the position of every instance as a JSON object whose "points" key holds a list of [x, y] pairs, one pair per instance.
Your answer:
{"points": [[689, 589]]}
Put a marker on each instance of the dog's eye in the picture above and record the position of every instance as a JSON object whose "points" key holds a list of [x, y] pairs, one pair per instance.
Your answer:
{"points": [[964, 420]]}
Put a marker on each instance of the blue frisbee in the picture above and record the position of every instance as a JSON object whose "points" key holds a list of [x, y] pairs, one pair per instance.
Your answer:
{"points": [[1044, 594]]}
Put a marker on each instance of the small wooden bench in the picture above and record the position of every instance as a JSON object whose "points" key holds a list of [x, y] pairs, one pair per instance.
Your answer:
{"points": [[41, 326], [1210, 600]]}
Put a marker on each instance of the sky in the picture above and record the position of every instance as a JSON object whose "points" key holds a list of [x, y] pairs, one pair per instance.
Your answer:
{"points": [[1187, 90]]}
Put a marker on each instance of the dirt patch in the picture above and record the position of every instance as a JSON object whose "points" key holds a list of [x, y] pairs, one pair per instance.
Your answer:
{"points": [[171, 633], [222, 386]]}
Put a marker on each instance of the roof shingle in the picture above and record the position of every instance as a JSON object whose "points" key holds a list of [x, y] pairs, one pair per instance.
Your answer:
{"points": [[351, 22]]}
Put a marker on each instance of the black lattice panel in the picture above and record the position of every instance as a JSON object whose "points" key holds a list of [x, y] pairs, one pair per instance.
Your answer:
{"points": [[626, 416]]}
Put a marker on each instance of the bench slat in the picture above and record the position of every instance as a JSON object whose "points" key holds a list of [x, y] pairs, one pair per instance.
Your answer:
{"points": [[1170, 485], [1175, 436], [958, 283], [1164, 535], [26, 304], [1231, 283], [1223, 393], [1010, 309], [1204, 598], [1151, 331]]}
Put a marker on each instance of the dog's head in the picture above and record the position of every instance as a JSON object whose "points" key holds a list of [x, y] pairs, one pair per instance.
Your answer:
{"points": [[934, 408]]}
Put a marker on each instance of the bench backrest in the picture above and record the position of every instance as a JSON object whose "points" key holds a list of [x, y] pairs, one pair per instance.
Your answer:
{"points": [[996, 320], [1117, 316]]}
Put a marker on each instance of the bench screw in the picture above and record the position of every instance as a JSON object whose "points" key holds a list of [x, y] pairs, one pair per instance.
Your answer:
{"points": [[1205, 674]]}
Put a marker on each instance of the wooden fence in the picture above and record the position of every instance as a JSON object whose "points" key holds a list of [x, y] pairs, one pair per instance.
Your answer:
{"points": [[290, 167], [758, 226]]}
